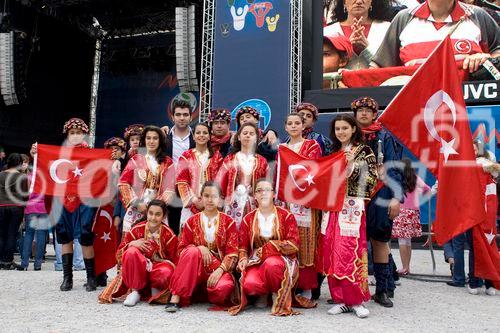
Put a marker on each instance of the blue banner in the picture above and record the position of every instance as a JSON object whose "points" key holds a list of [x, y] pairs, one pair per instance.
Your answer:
{"points": [[251, 58]]}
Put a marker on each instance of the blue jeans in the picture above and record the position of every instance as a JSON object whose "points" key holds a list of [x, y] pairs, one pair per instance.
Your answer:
{"points": [[458, 252], [78, 263], [458, 243], [448, 250], [38, 224]]}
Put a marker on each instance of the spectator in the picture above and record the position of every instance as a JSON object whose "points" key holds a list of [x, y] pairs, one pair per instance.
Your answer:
{"points": [[481, 3], [364, 23], [36, 223], [13, 190], [337, 52], [407, 224], [413, 34], [2, 158]]}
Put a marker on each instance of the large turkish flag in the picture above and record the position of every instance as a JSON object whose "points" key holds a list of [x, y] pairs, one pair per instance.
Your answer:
{"points": [[428, 116], [81, 172], [319, 183]]}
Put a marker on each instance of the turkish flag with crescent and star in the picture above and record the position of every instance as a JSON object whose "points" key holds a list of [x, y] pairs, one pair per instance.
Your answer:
{"points": [[429, 117], [82, 172], [319, 183], [106, 239]]}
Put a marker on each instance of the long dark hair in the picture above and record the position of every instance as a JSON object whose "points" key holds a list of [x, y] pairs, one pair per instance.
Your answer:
{"points": [[357, 136], [14, 160], [409, 176], [161, 153], [209, 146], [237, 143], [380, 10]]}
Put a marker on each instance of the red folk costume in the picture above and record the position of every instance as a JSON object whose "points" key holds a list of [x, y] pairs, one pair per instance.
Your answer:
{"points": [[144, 179], [237, 178], [193, 170], [221, 238], [342, 248], [142, 271], [271, 247], [307, 222]]}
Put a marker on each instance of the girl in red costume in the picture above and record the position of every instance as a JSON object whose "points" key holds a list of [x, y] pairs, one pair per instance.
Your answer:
{"points": [[239, 172], [149, 175], [268, 248], [208, 254], [342, 249], [307, 218], [148, 255], [196, 166]]}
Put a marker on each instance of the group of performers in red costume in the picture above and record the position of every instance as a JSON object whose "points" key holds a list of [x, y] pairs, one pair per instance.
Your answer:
{"points": [[238, 244]]}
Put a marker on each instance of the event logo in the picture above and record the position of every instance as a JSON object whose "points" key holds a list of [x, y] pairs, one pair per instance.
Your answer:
{"points": [[261, 106], [259, 10], [239, 14], [463, 46]]}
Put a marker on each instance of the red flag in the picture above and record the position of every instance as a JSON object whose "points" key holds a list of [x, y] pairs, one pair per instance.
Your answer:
{"points": [[429, 117], [106, 239], [81, 172], [319, 183], [374, 77]]}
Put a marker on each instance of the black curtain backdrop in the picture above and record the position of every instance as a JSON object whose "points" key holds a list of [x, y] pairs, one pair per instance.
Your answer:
{"points": [[58, 80]]}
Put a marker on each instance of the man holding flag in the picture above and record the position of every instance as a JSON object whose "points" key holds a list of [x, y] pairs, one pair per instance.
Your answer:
{"points": [[429, 117], [70, 174]]}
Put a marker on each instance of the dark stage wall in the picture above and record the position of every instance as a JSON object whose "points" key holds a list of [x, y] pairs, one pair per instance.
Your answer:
{"points": [[137, 84], [58, 80]]}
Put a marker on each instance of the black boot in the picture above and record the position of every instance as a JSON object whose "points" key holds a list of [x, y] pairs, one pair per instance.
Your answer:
{"points": [[381, 273], [91, 284], [67, 261], [316, 293], [383, 299], [102, 280]]}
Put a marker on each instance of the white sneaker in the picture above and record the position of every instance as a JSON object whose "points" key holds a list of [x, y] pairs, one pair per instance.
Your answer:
{"points": [[491, 291], [361, 311], [371, 280], [261, 302], [306, 294], [338, 309], [473, 291], [132, 299]]}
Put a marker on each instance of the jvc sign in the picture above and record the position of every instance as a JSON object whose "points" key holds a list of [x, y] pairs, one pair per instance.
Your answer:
{"points": [[480, 91]]}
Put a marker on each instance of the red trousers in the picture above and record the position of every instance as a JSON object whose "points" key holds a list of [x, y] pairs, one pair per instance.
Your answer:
{"points": [[308, 278], [191, 274], [264, 278], [135, 275], [345, 291]]}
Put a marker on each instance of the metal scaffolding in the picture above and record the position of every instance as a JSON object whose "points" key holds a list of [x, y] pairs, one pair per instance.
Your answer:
{"points": [[295, 74], [207, 51]]}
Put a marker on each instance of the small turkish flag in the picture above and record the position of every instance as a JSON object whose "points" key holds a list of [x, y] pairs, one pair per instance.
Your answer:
{"points": [[319, 183], [106, 239], [81, 172]]}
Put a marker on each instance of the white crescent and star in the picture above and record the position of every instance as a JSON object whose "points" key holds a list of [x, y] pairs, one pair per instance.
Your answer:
{"points": [[490, 237], [107, 216], [77, 172], [106, 236], [431, 106], [309, 179]]}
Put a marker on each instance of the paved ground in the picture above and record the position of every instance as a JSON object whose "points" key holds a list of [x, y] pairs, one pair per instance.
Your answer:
{"points": [[31, 302]]}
